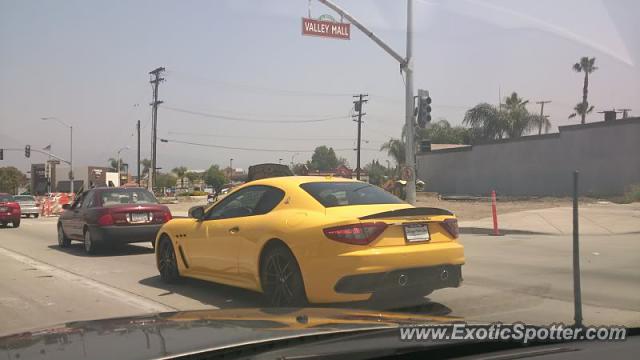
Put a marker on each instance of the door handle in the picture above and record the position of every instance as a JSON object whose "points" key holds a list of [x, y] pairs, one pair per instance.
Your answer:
{"points": [[234, 230]]}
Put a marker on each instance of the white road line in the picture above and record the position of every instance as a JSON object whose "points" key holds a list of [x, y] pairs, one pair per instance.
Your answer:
{"points": [[145, 304]]}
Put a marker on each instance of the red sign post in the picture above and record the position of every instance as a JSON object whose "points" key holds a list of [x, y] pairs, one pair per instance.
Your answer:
{"points": [[328, 29]]}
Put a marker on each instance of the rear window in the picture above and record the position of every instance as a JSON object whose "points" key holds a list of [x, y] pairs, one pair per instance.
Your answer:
{"points": [[331, 194], [25, 198], [6, 198], [126, 196]]}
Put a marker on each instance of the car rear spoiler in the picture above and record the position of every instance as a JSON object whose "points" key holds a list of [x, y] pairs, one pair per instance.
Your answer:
{"points": [[419, 211]]}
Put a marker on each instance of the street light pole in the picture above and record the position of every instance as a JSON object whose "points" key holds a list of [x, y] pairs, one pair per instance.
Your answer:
{"points": [[410, 158], [70, 148]]}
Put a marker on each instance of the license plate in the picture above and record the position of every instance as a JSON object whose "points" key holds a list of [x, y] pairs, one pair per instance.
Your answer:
{"points": [[4, 208], [139, 217], [416, 232]]}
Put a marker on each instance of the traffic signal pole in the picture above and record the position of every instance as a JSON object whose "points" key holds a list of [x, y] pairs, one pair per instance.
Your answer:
{"points": [[406, 65]]}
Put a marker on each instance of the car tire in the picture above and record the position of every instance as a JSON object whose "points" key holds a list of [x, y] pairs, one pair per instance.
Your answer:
{"points": [[167, 262], [36, 215], [90, 246], [281, 279], [63, 240], [16, 223]]}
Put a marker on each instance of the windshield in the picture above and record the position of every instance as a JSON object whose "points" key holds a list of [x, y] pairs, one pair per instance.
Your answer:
{"points": [[331, 194], [470, 159], [126, 196]]}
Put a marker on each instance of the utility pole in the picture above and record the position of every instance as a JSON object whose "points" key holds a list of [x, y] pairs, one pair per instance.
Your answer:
{"points": [[542, 102], [138, 128], [406, 65], [358, 107], [155, 81]]}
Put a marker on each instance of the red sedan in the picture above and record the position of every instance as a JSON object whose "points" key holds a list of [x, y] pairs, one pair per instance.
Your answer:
{"points": [[110, 216], [9, 210]]}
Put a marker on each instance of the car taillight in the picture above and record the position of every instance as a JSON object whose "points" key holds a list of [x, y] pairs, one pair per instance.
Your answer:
{"points": [[105, 219], [356, 234], [167, 216], [451, 226]]}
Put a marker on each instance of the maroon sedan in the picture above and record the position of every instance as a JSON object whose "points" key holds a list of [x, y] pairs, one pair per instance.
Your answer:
{"points": [[110, 216], [9, 210]]}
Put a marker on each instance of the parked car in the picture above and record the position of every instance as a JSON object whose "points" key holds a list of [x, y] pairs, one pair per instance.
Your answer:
{"points": [[28, 205], [109, 216], [316, 239], [9, 210]]}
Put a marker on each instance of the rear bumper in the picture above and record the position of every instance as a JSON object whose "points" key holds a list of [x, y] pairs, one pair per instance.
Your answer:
{"points": [[125, 234], [357, 275], [30, 210], [6, 217], [413, 280]]}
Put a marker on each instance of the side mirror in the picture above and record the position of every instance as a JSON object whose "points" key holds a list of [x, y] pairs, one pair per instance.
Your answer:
{"points": [[66, 206], [196, 212]]}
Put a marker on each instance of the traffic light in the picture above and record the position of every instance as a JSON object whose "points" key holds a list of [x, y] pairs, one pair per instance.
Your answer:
{"points": [[424, 108], [27, 151], [1, 154]]}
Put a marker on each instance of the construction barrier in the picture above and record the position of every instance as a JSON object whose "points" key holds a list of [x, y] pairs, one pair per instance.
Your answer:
{"points": [[52, 204]]}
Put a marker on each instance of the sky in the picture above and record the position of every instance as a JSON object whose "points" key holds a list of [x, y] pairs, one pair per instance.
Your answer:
{"points": [[87, 63]]}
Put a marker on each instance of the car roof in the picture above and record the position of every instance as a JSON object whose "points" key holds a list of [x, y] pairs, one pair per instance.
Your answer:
{"points": [[285, 181]]}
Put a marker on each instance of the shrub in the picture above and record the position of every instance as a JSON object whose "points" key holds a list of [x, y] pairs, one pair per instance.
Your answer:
{"points": [[632, 194]]}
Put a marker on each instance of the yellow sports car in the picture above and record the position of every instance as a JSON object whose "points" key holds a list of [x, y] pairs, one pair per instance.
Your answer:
{"points": [[301, 239]]}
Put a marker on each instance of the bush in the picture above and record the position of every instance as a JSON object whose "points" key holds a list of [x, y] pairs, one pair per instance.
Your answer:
{"points": [[198, 193], [632, 194], [186, 193]]}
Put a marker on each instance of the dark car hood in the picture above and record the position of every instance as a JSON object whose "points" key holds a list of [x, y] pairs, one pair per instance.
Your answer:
{"points": [[175, 333]]}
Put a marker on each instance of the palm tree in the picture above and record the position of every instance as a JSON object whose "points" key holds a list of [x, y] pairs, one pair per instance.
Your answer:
{"points": [[180, 171], [511, 120], [581, 109], [487, 120], [586, 65], [395, 148]]}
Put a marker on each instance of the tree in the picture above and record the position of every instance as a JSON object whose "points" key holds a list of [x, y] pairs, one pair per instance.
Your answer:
{"points": [[11, 179], [165, 180], [146, 165], [377, 172], [441, 132], [180, 171], [193, 176], [113, 164], [586, 65], [511, 120], [323, 159], [300, 169], [395, 148], [343, 161], [214, 177]]}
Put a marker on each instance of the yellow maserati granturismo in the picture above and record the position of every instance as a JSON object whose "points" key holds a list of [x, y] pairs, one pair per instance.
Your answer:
{"points": [[300, 239]]}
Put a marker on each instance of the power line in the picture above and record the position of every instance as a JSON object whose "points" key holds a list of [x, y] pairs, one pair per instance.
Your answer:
{"points": [[252, 149], [261, 89], [267, 138], [253, 120]]}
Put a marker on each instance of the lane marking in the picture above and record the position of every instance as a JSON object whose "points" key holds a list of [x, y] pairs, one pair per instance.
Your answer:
{"points": [[129, 298]]}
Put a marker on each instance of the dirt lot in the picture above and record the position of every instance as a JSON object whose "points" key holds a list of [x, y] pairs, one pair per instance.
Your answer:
{"points": [[481, 208], [465, 209]]}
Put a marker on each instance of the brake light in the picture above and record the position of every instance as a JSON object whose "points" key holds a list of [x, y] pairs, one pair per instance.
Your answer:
{"points": [[356, 234], [451, 226], [167, 216], [105, 220]]}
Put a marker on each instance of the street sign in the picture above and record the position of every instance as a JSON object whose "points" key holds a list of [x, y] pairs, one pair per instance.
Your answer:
{"points": [[323, 28], [406, 173]]}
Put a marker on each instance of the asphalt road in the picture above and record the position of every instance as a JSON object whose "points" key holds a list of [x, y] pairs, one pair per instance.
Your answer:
{"points": [[509, 278]]}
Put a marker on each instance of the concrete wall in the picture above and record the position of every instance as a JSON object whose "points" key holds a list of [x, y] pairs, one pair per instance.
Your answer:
{"points": [[607, 154]]}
